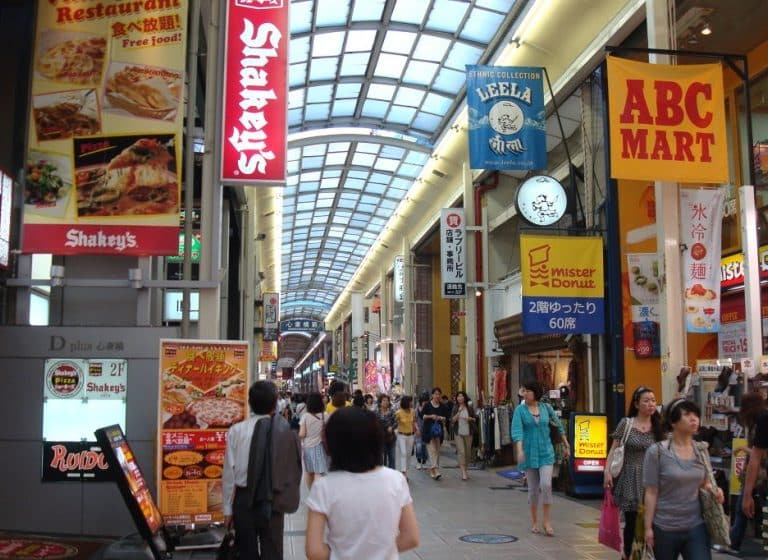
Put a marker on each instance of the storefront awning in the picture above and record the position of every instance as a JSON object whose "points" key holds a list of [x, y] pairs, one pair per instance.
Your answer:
{"points": [[509, 333]]}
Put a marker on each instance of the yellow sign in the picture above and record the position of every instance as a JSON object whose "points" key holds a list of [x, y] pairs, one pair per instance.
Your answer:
{"points": [[590, 437], [667, 122], [739, 458], [562, 266]]}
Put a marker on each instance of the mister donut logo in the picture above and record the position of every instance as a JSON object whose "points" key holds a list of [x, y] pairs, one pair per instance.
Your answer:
{"points": [[64, 378], [538, 260]]}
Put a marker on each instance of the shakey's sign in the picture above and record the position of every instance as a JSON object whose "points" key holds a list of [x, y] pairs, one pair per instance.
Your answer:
{"points": [[667, 122], [255, 92]]}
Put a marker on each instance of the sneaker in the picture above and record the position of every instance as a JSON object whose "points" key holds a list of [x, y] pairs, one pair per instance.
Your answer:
{"points": [[418, 466]]}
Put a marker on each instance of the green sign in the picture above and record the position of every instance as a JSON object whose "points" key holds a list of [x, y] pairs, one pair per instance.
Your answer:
{"points": [[195, 249]]}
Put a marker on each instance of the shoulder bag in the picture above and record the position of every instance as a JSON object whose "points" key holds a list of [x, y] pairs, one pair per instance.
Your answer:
{"points": [[615, 460], [711, 511], [554, 427]]}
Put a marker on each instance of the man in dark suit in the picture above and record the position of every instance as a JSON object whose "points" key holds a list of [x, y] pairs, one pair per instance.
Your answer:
{"points": [[262, 475]]}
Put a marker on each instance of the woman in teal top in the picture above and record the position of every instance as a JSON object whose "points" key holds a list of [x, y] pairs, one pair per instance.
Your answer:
{"points": [[535, 454]]}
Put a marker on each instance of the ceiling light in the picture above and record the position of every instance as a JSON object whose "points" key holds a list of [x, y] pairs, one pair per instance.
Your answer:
{"points": [[478, 292], [706, 30]]}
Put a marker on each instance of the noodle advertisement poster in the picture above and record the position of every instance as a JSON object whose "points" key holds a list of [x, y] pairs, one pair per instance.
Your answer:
{"points": [[103, 167], [203, 391]]}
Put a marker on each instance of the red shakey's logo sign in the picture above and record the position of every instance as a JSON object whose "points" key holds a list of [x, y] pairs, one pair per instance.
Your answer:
{"points": [[255, 92]]}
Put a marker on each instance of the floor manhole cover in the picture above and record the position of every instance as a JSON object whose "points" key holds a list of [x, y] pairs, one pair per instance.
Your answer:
{"points": [[488, 539]]}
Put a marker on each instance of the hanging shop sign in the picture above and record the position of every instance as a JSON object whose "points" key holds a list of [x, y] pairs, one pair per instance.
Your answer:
{"points": [[271, 315], [103, 169], [203, 391], [667, 122], [312, 326], [541, 200], [562, 285], [644, 286], [254, 124], [507, 124], [732, 268], [701, 218], [6, 203], [268, 352], [74, 460], [453, 258], [398, 276]]}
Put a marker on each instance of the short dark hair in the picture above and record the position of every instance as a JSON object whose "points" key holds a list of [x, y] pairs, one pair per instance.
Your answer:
{"points": [[535, 387], [384, 396], [368, 396], [405, 402], [315, 403], [336, 387], [262, 397], [674, 411], [358, 400], [355, 440], [438, 389]]}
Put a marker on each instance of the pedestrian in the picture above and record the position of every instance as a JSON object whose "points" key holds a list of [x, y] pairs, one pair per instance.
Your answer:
{"points": [[358, 401], [753, 408], [370, 403], [338, 395], [387, 418], [645, 428], [405, 424], [465, 424], [420, 447], [434, 414], [301, 404], [449, 405], [360, 510], [535, 452], [673, 472], [258, 491], [757, 457], [311, 428]]}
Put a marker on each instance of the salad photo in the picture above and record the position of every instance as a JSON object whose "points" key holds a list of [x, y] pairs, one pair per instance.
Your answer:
{"points": [[47, 183]]}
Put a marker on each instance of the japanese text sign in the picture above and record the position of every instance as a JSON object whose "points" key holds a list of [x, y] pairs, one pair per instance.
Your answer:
{"points": [[701, 219], [562, 284], [667, 122], [255, 92], [453, 258], [506, 118], [271, 315]]}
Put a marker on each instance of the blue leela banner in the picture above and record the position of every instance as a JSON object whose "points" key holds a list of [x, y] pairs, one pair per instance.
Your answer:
{"points": [[506, 118]]}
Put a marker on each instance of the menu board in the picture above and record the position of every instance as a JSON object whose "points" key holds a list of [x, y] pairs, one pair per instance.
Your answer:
{"points": [[104, 163], [203, 391]]}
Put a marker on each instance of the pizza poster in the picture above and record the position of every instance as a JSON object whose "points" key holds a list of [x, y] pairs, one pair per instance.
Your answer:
{"points": [[203, 391], [103, 161]]}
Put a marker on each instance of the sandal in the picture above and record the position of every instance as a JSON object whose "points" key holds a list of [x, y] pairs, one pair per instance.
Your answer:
{"points": [[438, 476], [535, 529], [549, 531]]}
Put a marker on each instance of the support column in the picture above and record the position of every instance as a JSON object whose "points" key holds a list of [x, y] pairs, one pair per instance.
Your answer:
{"points": [[748, 220], [470, 302], [408, 336]]}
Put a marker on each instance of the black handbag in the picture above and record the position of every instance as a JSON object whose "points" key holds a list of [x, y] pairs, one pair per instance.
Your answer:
{"points": [[554, 427], [228, 548]]}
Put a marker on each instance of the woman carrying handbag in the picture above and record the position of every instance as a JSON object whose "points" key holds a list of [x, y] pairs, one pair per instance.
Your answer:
{"points": [[673, 475], [635, 433]]}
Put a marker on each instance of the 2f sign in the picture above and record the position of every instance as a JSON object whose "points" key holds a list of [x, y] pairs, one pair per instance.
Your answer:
{"points": [[667, 122]]}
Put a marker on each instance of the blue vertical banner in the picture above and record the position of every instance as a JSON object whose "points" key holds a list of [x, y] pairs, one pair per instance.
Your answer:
{"points": [[507, 122]]}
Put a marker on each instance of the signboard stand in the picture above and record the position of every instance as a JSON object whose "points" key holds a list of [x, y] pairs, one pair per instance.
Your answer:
{"points": [[588, 437]]}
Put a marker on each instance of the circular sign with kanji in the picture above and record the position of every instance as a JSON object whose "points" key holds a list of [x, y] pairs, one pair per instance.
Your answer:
{"points": [[64, 379]]}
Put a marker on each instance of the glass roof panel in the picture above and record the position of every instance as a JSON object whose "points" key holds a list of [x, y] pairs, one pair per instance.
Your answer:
{"points": [[399, 42], [446, 15], [410, 11], [354, 64], [391, 65], [328, 44], [331, 12], [370, 10], [481, 25], [323, 69], [419, 72], [431, 47]]}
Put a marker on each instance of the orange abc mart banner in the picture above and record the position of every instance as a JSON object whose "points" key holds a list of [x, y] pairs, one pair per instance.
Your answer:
{"points": [[103, 167], [667, 123]]}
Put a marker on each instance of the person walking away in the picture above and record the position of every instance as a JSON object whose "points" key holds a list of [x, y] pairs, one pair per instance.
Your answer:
{"points": [[757, 457], [420, 448], [261, 478], [645, 428], [311, 428], [673, 472], [360, 510], [387, 418], [535, 453], [465, 424], [407, 431], [434, 414], [338, 395]]}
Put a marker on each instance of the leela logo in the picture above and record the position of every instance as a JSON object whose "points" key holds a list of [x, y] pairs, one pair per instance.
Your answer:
{"points": [[259, 4], [538, 260], [453, 220]]}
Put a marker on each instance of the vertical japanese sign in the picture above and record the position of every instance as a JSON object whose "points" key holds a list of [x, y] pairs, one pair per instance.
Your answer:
{"points": [[667, 122], [453, 270], [271, 315], [644, 287], [398, 275], [104, 160], [254, 139], [507, 123], [203, 391], [563, 284], [701, 219]]}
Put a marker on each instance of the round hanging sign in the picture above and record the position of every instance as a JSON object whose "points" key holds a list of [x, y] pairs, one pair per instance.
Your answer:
{"points": [[541, 200], [64, 378]]}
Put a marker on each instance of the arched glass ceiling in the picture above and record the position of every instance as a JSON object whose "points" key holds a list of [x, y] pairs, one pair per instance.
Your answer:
{"points": [[395, 67]]}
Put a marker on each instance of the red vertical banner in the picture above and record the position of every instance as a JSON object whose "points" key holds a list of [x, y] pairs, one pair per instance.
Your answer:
{"points": [[254, 139]]}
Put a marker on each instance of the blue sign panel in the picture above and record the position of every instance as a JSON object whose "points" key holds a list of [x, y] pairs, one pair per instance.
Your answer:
{"points": [[507, 122], [563, 315]]}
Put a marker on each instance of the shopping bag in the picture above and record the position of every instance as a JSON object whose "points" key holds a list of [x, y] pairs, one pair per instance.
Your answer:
{"points": [[610, 530]]}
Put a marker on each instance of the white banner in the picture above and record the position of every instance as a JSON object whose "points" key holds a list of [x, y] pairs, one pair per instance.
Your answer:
{"points": [[398, 273], [271, 315], [701, 219], [453, 257]]}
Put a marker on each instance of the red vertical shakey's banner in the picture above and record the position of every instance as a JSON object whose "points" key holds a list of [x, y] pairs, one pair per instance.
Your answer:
{"points": [[254, 139]]}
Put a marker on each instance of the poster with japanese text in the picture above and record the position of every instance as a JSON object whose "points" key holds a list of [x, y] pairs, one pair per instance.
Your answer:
{"points": [[103, 169], [203, 391], [645, 283], [701, 219], [453, 258]]}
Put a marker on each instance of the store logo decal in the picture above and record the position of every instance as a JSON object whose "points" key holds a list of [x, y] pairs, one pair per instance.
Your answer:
{"points": [[538, 259]]}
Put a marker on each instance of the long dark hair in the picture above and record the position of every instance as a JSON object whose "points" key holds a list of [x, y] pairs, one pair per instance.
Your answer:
{"points": [[657, 425], [752, 406]]}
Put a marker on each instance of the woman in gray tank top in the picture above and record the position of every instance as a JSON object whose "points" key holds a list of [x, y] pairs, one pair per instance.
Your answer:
{"points": [[673, 472]]}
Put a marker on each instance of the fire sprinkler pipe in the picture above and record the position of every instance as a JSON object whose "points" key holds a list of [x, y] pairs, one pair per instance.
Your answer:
{"points": [[481, 267]]}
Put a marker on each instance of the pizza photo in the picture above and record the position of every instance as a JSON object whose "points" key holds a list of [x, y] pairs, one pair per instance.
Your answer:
{"points": [[75, 58], [217, 412]]}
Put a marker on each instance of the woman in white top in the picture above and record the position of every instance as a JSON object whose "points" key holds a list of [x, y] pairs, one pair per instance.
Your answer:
{"points": [[361, 509], [465, 418], [311, 428]]}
